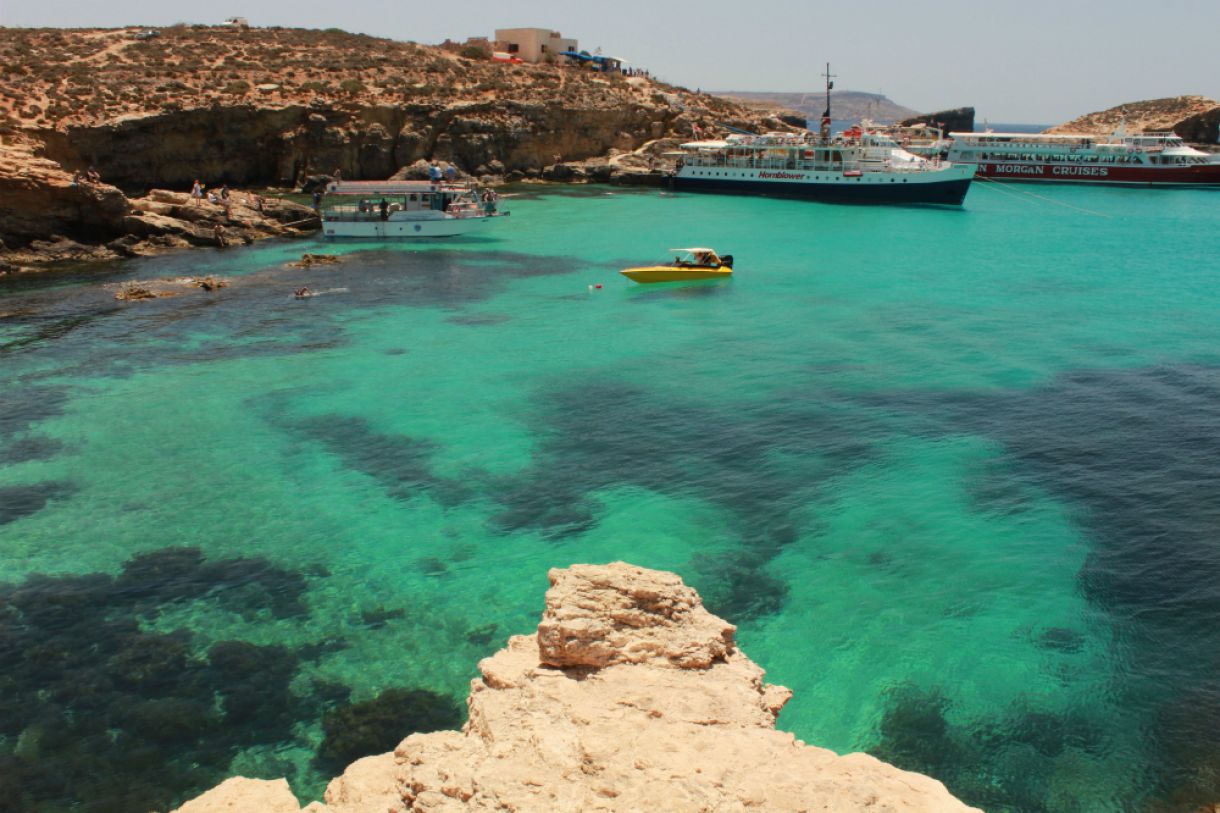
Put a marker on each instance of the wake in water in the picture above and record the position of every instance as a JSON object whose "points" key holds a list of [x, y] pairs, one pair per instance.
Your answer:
{"points": [[309, 293]]}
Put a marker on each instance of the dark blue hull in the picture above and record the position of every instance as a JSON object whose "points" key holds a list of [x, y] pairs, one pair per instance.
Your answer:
{"points": [[948, 193]]}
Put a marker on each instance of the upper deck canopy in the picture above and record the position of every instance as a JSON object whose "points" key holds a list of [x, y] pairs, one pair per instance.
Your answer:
{"points": [[1026, 136], [393, 187]]}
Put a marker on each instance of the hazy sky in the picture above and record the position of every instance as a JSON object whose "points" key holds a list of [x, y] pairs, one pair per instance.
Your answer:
{"points": [[1032, 61]]}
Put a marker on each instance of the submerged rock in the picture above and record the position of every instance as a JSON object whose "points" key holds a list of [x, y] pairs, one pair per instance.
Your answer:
{"points": [[631, 696], [136, 290], [310, 260]]}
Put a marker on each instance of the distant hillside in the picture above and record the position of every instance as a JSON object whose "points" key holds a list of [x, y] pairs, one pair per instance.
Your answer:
{"points": [[849, 105], [1152, 115]]}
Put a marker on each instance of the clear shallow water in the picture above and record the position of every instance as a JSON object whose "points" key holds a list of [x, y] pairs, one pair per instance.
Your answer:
{"points": [[951, 472]]}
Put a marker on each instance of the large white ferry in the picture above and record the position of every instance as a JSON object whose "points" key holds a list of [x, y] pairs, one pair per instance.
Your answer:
{"points": [[869, 168], [856, 166], [1152, 159], [406, 209]]}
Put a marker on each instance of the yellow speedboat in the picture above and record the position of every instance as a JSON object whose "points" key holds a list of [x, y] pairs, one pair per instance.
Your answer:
{"points": [[688, 264]]}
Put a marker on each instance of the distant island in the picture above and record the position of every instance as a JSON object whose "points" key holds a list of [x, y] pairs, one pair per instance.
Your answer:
{"points": [[851, 105]]}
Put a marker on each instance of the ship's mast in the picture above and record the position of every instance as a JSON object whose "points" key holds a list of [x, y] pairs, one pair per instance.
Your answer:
{"points": [[826, 115]]}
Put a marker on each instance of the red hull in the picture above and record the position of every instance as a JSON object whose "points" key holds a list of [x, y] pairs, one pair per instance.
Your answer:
{"points": [[1205, 174]]}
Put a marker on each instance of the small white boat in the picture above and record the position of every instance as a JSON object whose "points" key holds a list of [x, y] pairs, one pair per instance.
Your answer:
{"points": [[406, 209]]}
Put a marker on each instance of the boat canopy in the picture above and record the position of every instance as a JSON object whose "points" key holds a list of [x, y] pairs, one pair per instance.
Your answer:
{"points": [[1026, 136], [393, 187], [694, 250]]}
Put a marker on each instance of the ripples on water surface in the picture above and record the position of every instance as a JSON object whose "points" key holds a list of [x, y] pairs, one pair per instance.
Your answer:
{"points": [[952, 472]]}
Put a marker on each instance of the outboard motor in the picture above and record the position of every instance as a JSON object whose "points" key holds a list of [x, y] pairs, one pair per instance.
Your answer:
{"points": [[727, 260]]}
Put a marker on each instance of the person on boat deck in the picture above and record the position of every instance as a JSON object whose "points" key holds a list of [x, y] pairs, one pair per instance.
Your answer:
{"points": [[434, 173], [385, 209], [450, 173], [703, 258]]}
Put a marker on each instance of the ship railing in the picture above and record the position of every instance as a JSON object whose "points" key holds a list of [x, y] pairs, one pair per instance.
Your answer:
{"points": [[772, 164], [354, 213]]}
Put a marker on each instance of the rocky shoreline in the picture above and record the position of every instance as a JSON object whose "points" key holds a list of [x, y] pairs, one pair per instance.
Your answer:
{"points": [[149, 115], [52, 217], [630, 696]]}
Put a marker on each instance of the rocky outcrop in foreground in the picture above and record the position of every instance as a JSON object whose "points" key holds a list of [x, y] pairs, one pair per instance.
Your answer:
{"points": [[630, 696]]}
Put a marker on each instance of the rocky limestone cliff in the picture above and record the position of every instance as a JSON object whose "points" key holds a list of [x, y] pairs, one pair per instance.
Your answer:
{"points": [[48, 216], [269, 106], [160, 108], [1194, 118], [631, 696], [957, 120]]}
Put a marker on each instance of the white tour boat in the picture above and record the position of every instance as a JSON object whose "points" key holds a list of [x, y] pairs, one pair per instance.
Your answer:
{"points": [[406, 209]]}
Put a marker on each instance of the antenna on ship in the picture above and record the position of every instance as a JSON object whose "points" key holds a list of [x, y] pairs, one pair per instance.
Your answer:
{"points": [[826, 116]]}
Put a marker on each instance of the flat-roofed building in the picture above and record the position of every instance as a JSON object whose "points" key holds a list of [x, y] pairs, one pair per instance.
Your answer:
{"points": [[532, 44]]}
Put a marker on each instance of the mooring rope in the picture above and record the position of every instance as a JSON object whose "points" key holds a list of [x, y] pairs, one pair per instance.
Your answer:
{"points": [[1003, 187]]}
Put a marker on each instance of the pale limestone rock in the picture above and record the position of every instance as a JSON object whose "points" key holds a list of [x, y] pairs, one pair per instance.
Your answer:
{"points": [[597, 616], [631, 697], [241, 795], [367, 784]]}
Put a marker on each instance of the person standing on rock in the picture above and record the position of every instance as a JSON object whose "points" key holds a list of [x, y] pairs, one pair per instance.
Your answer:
{"points": [[196, 192]]}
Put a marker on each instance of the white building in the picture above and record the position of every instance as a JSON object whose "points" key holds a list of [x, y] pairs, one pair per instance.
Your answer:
{"points": [[532, 44]]}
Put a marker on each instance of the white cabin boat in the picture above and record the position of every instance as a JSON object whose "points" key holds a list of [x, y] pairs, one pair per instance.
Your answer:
{"points": [[406, 210]]}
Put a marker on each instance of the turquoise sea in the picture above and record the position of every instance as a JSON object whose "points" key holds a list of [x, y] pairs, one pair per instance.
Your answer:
{"points": [[953, 473]]}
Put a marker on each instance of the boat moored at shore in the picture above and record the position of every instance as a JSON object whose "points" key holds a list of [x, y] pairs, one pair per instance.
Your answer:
{"points": [[406, 209], [1146, 159]]}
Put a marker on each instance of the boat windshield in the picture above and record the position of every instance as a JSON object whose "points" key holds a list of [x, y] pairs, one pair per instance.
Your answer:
{"points": [[695, 256]]}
